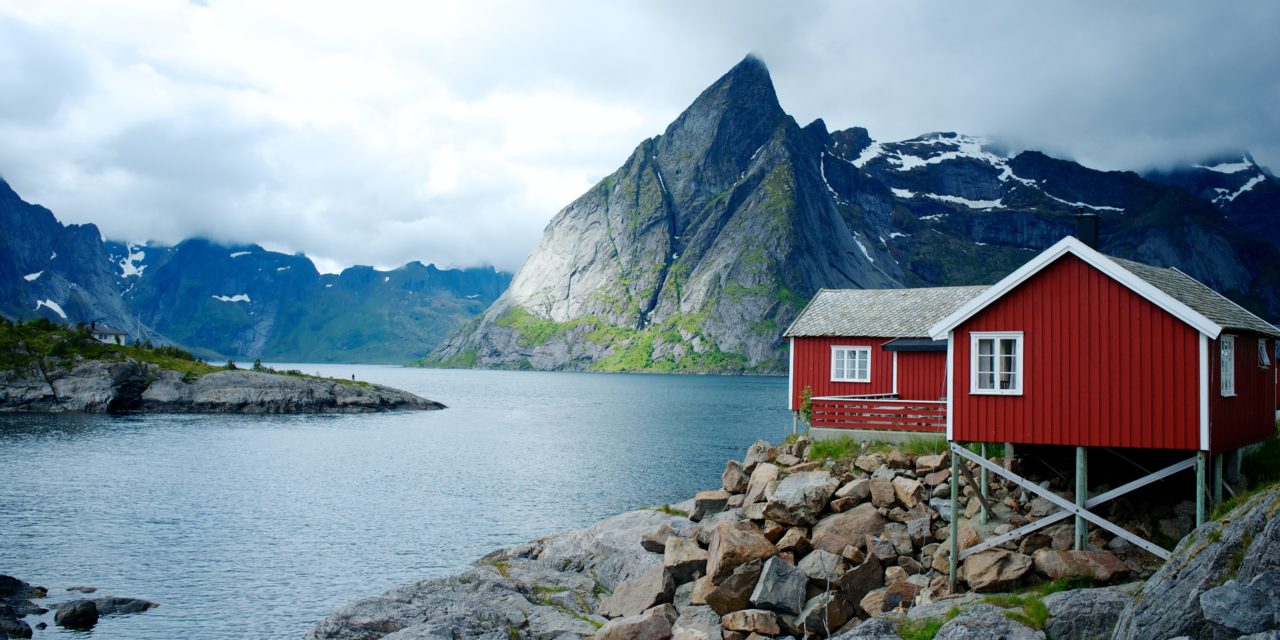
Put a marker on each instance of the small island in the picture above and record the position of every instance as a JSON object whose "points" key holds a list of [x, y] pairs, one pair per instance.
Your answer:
{"points": [[45, 367]]}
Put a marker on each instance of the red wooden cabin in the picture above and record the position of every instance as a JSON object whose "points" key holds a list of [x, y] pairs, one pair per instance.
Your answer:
{"points": [[864, 359], [1080, 349]]}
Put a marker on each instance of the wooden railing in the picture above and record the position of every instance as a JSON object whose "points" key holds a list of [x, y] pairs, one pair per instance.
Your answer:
{"points": [[881, 412]]}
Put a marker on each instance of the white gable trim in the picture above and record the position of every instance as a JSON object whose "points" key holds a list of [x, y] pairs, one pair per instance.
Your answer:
{"points": [[1096, 260], [951, 386], [791, 375]]}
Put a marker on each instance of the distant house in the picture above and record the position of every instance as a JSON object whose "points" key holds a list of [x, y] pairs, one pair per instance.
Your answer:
{"points": [[856, 352], [105, 334]]}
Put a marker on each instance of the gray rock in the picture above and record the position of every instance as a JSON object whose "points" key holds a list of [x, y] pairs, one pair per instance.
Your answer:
{"points": [[707, 503], [857, 582], [1086, 613], [697, 623], [734, 592], [11, 627], [837, 531], [822, 566], [763, 474], [76, 614], [735, 478], [1169, 603], [683, 558], [781, 588], [1244, 609], [634, 596], [994, 569], [882, 628], [653, 624], [801, 497], [759, 452], [985, 622], [656, 541], [824, 614]]}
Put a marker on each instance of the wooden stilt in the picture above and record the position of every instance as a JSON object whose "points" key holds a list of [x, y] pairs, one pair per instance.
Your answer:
{"points": [[1202, 458], [1217, 479], [954, 530], [1082, 496], [983, 488], [1008, 456]]}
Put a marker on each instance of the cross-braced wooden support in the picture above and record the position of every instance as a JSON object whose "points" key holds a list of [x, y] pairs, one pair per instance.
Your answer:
{"points": [[1066, 507]]}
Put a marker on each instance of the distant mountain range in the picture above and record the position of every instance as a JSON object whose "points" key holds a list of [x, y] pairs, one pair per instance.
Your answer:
{"points": [[230, 301], [703, 246]]}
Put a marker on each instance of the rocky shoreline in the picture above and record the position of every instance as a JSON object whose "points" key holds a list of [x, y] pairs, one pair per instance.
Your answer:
{"points": [[791, 547], [98, 386], [16, 603]]}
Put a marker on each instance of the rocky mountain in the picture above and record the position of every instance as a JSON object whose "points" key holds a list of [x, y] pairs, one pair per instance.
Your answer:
{"points": [[699, 251], [230, 301]]}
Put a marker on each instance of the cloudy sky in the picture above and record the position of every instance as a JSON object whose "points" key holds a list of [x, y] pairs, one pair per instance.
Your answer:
{"points": [[379, 132]]}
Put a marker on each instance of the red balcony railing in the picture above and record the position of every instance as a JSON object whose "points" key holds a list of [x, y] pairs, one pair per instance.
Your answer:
{"points": [[885, 413]]}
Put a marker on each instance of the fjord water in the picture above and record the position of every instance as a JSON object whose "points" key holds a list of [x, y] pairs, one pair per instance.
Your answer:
{"points": [[259, 526]]}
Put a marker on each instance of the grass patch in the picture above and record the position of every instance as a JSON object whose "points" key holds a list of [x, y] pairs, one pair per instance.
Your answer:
{"points": [[922, 446], [502, 567], [923, 629], [670, 510], [837, 450], [549, 588], [1028, 604]]}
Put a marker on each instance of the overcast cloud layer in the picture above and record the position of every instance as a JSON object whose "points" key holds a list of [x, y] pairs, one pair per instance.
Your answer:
{"points": [[382, 132]]}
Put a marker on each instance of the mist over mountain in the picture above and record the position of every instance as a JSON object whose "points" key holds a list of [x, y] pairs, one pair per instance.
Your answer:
{"points": [[708, 240]]}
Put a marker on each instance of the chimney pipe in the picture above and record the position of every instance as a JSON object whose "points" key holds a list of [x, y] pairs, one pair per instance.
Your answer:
{"points": [[1087, 228]]}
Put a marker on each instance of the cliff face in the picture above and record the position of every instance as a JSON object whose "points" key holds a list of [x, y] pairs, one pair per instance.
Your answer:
{"points": [[698, 252]]}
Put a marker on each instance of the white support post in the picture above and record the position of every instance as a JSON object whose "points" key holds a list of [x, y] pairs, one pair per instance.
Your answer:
{"points": [[1082, 495], [983, 486]]}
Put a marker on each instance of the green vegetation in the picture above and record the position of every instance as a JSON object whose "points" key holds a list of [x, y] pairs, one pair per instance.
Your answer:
{"points": [[923, 629], [1261, 468], [38, 341], [670, 510], [1029, 602], [806, 404], [836, 450]]}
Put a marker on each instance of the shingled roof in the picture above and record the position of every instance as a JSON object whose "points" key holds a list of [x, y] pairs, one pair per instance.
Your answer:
{"points": [[1202, 299], [879, 313]]}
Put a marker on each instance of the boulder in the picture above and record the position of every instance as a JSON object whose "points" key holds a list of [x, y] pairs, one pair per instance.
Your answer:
{"points": [[899, 460], [881, 548], [1102, 566], [706, 503], [823, 614], [822, 567], [885, 628], [697, 623], [635, 596], [772, 531], [759, 452], [76, 614], [652, 624], [1238, 609], [735, 478], [801, 497], [897, 535], [844, 504], [1246, 540], [683, 558], [931, 463], [10, 626], [733, 544], [985, 622], [786, 460], [781, 588], [869, 462], [655, 541], [858, 581], [908, 492], [889, 598], [1086, 613], [994, 569], [834, 532], [752, 621], [734, 592], [761, 476], [795, 540], [882, 492], [859, 489], [701, 587]]}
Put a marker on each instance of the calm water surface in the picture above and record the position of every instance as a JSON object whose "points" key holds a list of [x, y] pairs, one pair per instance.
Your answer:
{"points": [[257, 527]]}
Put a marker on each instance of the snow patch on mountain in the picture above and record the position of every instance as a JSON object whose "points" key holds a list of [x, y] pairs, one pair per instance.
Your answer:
{"points": [[1228, 167], [239, 297], [1078, 205], [32, 277], [129, 266], [857, 237], [873, 151], [903, 193], [240, 253], [1225, 195], [984, 205], [52, 306]]}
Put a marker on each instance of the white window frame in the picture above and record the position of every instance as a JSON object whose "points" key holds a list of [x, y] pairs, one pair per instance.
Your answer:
{"points": [[840, 350], [1227, 365], [1020, 371], [1264, 356]]}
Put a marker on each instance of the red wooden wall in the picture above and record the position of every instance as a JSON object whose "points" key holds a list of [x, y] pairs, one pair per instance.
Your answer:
{"points": [[1249, 416], [1102, 366], [922, 375], [811, 366]]}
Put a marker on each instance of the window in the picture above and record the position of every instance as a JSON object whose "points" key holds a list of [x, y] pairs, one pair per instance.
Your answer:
{"points": [[851, 364], [1264, 357], [996, 366], [1227, 349]]}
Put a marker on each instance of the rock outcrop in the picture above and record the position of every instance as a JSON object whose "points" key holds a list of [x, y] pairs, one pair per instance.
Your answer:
{"points": [[126, 385]]}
